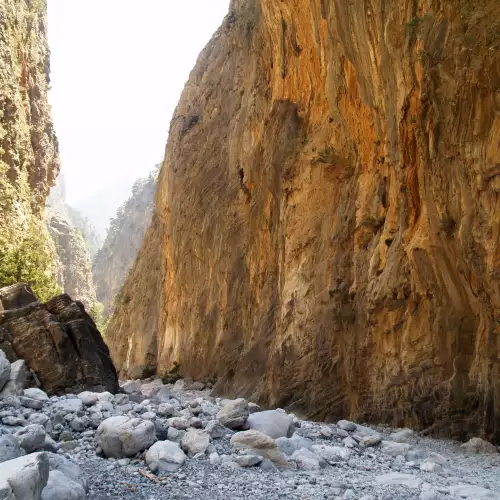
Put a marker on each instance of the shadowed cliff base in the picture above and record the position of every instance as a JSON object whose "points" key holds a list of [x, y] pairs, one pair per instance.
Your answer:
{"points": [[327, 227]]}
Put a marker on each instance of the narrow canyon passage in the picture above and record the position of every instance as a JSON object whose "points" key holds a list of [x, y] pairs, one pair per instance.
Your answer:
{"points": [[282, 282]]}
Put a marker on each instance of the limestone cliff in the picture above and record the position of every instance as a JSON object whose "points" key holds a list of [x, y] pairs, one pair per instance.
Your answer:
{"points": [[73, 259], [29, 160], [327, 227], [57, 201], [123, 241]]}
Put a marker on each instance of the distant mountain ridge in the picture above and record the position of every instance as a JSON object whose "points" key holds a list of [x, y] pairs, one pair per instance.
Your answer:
{"points": [[123, 240]]}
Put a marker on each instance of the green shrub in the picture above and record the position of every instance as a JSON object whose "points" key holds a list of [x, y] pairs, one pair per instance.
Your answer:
{"points": [[97, 314], [30, 262]]}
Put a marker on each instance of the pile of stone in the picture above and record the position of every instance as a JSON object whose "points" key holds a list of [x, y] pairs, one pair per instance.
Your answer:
{"points": [[162, 427]]}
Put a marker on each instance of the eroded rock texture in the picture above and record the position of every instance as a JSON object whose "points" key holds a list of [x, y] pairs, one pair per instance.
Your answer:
{"points": [[29, 159], [58, 340], [123, 241], [73, 258], [327, 226]]}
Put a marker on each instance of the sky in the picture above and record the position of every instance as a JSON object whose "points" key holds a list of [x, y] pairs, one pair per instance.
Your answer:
{"points": [[118, 68]]}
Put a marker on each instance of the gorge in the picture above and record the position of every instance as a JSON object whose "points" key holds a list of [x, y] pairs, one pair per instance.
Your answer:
{"points": [[326, 234]]}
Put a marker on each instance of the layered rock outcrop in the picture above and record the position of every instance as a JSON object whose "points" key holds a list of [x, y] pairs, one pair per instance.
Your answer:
{"points": [[327, 227], [73, 258], [58, 340], [57, 202], [29, 160], [123, 241]]}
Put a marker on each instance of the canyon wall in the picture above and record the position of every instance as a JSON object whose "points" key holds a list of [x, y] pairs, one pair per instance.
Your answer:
{"points": [[74, 266], [123, 241], [29, 160], [326, 235]]}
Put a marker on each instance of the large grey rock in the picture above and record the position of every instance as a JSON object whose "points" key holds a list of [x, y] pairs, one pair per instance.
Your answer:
{"points": [[4, 369], [195, 441], [394, 449], [215, 429], [247, 460], [71, 405], [163, 395], [121, 437], [273, 423], [399, 479], [165, 456], [24, 478], [9, 448], [61, 487], [307, 460], [259, 443], [60, 342], [478, 445], [31, 437], [346, 425], [296, 442], [18, 379], [150, 389], [472, 492], [234, 414], [402, 435], [131, 387], [332, 453], [88, 398], [35, 393]]}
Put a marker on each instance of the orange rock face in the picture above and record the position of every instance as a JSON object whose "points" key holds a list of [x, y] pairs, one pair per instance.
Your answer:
{"points": [[327, 226]]}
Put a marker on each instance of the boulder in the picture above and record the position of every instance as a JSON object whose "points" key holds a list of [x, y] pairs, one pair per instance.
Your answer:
{"points": [[9, 448], [163, 395], [259, 443], [234, 414], [215, 429], [61, 487], [478, 445], [331, 453], [195, 441], [31, 437], [165, 456], [346, 425], [307, 460], [121, 437], [402, 435], [60, 343], [296, 442], [4, 370], [68, 468], [88, 398], [273, 423], [394, 449], [131, 386], [248, 460], [24, 478], [70, 405], [150, 389], [18, 379], [472, 492], [399, 479], [34, 393]]}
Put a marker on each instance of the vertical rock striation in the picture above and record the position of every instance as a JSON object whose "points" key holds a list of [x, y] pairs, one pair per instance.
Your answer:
{"points": [[73, 259], [29, 161], [123, 241], [327, 227]]}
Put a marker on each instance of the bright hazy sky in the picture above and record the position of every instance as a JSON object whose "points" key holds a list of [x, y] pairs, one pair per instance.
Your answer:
{"points": [[118, 68]]}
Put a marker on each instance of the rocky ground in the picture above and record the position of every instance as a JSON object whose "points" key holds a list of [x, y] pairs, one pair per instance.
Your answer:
{"points": [[154, 441]]}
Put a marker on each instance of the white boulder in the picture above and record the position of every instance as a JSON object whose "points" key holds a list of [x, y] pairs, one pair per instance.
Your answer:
{"points": [[165, 456], [273, 423], [24, 478], [195, 441], [121, 437]]}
